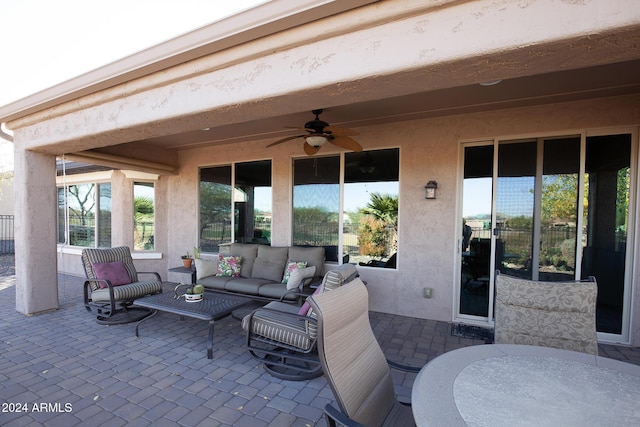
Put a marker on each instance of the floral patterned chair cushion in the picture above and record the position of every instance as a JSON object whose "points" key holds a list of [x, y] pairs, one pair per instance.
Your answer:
{"points": [[550, 314]]}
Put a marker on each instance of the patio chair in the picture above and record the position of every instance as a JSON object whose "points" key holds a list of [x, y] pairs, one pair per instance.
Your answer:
{"points": [[112, 285], [549, 314], [283, 336], [353, 362]]}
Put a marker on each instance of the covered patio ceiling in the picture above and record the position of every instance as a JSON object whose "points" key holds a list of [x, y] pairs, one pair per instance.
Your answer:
{"points": [[622, 78], [615, 79], [599, 62]]}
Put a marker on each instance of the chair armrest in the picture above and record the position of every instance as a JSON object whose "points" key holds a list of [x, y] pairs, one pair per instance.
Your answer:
{"points": [[284, 313], [405, 368], [87, 289], [305, 283], [98, 281], [158, 278], [299, 292], [334, 416], [301, 296]]}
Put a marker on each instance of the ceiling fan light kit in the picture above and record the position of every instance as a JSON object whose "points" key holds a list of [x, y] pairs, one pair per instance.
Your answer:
{"points": [[320, 132], [316, 140]]}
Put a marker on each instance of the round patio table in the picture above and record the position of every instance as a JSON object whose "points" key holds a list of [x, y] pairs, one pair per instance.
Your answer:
{"points": [[518, 385]]}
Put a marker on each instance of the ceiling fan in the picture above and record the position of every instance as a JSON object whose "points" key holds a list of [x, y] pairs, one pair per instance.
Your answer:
{"points": [[319, 132]]}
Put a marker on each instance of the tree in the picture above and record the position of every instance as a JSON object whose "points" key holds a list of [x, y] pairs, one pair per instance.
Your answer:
{"points": [[520, 223], [85, 201], [374, 235], [559, 198], [383, 207], [622, 200], [315, 226], [142, 218]]}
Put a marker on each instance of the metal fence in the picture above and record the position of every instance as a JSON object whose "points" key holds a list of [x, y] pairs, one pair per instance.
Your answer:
{"points": [[311, 234], [557, 244], [7, 241]]}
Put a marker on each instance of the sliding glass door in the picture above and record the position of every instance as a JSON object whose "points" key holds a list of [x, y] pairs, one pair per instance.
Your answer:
{"points": [[604, 246], [552, 209], [476, 231]]}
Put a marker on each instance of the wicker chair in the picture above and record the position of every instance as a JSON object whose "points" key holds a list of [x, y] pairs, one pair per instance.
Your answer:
{"points": [[549, 314], [111, 301], [353, 362], [283, 336]]}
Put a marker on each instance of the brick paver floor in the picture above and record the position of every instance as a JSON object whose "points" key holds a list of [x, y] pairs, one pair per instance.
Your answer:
{"points": [[63, 369]]}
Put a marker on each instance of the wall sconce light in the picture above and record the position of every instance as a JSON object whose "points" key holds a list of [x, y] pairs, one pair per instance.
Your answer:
{"points": [[431, 190]]}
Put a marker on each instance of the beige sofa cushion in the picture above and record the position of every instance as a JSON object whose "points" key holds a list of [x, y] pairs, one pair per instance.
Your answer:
{"points": [[248, 252], [270, 263], [313, 256], [205, 267]]}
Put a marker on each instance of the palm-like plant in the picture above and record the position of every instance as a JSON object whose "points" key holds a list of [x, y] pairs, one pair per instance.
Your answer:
{"points": [[384, 208]]}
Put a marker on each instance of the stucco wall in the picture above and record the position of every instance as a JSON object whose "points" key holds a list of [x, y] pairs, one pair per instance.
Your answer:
{"points": [[429, 150]]}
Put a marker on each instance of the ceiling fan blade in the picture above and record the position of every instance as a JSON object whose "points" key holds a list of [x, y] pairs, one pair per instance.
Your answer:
{"points": [[346, 142], [338, 131], [280, 141], [295, 127], [309, 149]]}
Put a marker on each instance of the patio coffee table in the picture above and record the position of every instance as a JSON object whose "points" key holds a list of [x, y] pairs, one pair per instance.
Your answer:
{"points": [[213, 307]]}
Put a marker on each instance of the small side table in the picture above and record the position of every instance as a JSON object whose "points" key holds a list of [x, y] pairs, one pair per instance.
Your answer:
{"points": [[191, 271]]}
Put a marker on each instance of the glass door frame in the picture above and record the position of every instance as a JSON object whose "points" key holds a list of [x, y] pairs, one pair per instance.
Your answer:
{"points": [[634, 222], [457, 315], [631, 267]]}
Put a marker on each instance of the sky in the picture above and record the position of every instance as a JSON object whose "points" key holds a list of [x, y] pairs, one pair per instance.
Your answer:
{"points": [[46, 42]]}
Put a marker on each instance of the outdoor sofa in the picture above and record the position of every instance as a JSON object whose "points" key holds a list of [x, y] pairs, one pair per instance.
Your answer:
{"points": [[262, 271]]}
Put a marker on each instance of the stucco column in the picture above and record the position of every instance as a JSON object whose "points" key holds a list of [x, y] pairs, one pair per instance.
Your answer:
{"points": [[121, 210], [35, 231]]}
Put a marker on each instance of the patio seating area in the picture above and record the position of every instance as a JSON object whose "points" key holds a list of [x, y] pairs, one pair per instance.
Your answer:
{"points": [[69, 370]]}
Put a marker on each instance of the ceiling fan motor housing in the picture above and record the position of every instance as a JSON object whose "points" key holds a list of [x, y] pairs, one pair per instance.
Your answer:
{"points": [[316, 125]]}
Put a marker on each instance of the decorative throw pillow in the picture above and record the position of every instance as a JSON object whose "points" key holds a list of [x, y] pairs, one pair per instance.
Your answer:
{"points": [[304, 310], [298, 275], [291, 266], [111, 271], [205, 267], [229, 266]]}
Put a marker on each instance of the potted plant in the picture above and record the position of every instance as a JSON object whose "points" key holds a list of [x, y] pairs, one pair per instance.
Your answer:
{"points": [[193, 293], [187, 260]]}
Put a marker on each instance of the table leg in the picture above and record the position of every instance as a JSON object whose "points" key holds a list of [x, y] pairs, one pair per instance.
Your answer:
{"points": [[153, 313], [210, 340]]}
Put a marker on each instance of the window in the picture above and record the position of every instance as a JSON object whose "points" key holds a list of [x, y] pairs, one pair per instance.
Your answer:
{"points": [[143, 216], [366, 231], [316, 203], [245, 190], [252, 202], [84, 215]]}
